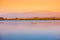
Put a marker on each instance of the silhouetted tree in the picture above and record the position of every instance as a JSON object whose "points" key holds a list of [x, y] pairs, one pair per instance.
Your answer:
{"points": [[1, 18]]}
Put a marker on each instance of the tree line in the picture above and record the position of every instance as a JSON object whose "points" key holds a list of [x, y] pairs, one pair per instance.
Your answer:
{"points": [[34, 18]]}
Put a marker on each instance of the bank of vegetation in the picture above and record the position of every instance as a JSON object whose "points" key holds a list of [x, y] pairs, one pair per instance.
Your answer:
{"points": [[35, 18]]}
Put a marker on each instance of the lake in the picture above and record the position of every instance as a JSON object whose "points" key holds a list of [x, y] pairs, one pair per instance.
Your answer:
{"points": [[30, 30]]}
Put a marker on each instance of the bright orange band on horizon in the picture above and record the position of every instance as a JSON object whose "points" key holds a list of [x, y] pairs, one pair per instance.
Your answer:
{"points": [[29, 5]]}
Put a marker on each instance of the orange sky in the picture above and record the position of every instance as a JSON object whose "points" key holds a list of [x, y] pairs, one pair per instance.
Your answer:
{"points": [[29, 5]]}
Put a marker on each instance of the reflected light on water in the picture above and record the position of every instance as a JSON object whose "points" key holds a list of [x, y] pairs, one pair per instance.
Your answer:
{"points": [[31, 29]]}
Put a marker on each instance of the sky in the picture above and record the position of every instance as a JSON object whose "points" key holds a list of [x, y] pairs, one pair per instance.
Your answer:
{"points": [[39, 7]]}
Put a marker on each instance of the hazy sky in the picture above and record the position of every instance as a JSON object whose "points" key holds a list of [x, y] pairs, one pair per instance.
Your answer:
{"points": [[23, 6]]}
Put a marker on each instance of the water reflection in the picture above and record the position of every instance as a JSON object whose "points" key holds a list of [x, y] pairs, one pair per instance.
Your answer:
{"points": [[29, 30]]}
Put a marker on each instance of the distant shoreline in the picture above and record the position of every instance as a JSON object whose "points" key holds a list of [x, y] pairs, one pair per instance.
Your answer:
{"points": [[24, 19], [35, 18]]}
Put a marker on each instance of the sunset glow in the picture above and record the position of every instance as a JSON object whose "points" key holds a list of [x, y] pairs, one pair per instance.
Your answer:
{"points": [[22, 6]]}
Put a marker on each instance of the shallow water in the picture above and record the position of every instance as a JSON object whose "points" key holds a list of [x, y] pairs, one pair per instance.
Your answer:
{"points": [[30, 30]]}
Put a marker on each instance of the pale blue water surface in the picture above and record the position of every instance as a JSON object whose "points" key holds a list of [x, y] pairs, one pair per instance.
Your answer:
{"points": [[30, 30]]}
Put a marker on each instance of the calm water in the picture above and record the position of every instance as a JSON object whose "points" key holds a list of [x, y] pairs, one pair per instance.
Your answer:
{"points": [[30, 30]]}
